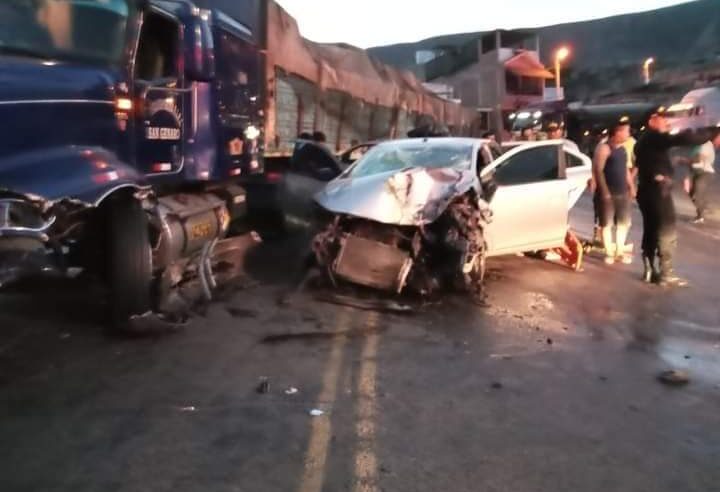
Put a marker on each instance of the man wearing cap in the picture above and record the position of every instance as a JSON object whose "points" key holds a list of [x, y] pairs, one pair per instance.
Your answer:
{"points": [[615, 187], [655, 183]]}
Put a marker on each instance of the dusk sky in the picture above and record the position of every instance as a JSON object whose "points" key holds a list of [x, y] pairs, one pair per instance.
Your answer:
{"points": [[366, 23]]}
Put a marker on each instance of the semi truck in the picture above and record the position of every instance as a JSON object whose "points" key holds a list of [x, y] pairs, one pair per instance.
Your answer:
{"points": [[699, 108], [131, 128]]}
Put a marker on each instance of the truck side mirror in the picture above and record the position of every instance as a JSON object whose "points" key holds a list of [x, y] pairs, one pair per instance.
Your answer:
{"points": [[199, 49]]}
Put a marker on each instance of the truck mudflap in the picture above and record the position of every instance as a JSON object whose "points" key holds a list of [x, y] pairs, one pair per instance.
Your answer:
{"points": [[79, 174]]}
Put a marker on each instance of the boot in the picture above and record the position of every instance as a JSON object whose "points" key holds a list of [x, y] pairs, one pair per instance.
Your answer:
{"points": [[667, 276], [650, 274]]}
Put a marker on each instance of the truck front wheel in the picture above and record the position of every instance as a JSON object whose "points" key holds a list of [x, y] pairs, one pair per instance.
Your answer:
{"points": [[129, 260]]}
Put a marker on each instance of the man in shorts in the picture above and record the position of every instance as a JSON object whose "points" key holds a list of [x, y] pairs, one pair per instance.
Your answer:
{"points": [[615, 189]]}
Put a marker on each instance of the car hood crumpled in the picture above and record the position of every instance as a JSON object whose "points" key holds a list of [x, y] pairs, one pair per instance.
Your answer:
{"points": [[411, 197]]}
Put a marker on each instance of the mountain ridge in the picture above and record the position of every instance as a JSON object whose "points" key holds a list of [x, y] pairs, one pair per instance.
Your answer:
{"points": [[687, 31]]}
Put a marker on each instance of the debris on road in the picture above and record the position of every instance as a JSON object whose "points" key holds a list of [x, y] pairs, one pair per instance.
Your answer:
{"points": [[496, 385], [187, 409], [241, 313], [322, 335], [64, 336], [316, 412], [674, 377], [153, 324], [540, 301], [291, 391], [549, 341], [382, 305], [264, 386], [307, 336]]}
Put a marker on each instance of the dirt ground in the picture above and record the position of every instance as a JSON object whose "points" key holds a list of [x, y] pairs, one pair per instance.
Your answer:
{"points": [[551, 386]]}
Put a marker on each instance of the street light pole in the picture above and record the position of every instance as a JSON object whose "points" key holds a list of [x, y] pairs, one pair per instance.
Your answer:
{"points": [[560, 55], [646, 69]]}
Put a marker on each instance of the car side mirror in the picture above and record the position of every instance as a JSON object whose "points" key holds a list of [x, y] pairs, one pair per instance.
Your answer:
{"points": [[199, 49]]}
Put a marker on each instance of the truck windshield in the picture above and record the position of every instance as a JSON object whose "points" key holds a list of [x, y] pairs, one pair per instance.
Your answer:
{"points": [[67, 30], [398, 156], [684, 112]]}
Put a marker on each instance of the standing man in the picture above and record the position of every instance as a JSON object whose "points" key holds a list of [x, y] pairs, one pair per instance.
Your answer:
{"points": [[702, 172], [655, 183], [528, 134], [554, 131], [615, 187], [493, 145]]}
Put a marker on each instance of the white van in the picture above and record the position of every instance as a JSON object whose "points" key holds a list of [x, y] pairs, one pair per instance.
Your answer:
{"points": [[698, 109]]}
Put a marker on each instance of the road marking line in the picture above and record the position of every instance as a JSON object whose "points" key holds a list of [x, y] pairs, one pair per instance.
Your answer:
{"points": [[317, 451], [366, 463], [702, 232]]}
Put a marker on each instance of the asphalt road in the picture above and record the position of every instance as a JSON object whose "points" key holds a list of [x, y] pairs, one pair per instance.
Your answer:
{"points": [[549, 387]]}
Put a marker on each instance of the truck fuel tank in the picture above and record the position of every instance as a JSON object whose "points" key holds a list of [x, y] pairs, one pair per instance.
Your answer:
{"points": [[187, 222]]}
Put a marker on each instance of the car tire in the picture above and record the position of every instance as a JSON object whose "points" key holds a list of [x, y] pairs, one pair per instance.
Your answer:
{"points": [[129, 260]]}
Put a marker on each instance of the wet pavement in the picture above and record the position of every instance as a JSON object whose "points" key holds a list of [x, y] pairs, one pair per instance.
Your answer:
{"points": [[551, 386]]}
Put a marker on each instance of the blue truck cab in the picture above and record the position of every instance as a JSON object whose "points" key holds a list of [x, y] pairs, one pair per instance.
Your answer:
{"points": [[126, 130]]}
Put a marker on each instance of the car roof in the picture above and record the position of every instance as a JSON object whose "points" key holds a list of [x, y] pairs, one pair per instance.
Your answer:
{"points": [[434, 141]]}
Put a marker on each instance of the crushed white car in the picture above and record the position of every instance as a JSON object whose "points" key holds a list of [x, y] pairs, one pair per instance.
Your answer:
{"points": [[425, 213]]}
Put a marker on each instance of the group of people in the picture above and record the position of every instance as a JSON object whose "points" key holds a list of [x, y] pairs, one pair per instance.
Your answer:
{"points": [[551, 131], [624, 170]]}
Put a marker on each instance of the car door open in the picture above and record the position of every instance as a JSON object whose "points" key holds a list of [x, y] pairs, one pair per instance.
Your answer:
{"points": [[530, 206]]}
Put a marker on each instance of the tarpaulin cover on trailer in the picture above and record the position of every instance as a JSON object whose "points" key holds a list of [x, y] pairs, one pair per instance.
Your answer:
{"points": [[350, 70]]}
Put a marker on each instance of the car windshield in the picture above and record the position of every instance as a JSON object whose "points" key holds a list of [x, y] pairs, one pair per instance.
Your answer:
{"points": [[398, 156], [72, 30]]}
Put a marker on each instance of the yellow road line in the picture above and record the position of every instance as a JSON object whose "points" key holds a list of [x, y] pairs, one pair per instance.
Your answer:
{"points": [[366, 463], [317, 451]]}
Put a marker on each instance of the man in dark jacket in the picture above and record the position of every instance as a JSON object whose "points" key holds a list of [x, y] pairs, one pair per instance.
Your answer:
{"points": [[654, 196]]}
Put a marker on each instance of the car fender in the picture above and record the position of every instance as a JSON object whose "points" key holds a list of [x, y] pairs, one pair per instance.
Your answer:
{"points": [[84, 174]]}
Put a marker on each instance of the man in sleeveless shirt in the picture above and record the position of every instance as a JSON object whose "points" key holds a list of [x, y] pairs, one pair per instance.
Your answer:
{"points": [[615, 188]]}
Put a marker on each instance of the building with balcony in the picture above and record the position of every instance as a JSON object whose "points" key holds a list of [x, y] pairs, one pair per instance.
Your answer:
{"points": [[497, 74]]}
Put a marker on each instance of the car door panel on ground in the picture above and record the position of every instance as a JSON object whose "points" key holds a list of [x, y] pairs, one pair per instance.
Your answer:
{"points": [[530, 206]]}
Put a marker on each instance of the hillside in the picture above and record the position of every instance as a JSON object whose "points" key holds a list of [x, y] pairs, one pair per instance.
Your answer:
{"points": [[674, 35]]}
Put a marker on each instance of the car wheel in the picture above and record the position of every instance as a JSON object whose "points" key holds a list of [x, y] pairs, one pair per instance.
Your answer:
{"points": [[129, 260]]}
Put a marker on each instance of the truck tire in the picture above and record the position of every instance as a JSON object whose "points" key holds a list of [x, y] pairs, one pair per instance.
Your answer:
{"points": [[129, 260]]}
